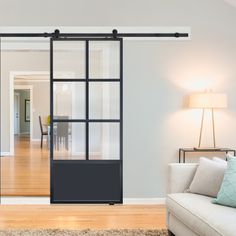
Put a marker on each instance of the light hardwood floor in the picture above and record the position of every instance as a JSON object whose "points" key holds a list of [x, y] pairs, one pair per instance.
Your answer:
{"points": [[27, 173], [83, 217]]}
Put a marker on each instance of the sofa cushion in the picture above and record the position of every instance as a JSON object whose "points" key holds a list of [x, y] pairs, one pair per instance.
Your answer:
{"points": [[200, 215], [208, 178]]}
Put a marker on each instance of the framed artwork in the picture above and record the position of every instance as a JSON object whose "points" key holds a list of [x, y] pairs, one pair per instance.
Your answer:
{"points": [[27, 110]]}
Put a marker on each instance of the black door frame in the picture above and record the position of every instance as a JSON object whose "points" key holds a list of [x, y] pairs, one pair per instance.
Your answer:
{"points": [[87, 121]]}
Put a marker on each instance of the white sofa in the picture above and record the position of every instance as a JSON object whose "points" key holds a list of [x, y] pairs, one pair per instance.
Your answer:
{"points": [[192, 214]]}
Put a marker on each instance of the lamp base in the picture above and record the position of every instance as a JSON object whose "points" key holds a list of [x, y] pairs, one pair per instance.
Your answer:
{"points": [[206, 148]]}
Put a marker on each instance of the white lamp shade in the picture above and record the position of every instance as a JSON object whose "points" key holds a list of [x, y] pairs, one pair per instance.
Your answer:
{"points": [[208, 100]]}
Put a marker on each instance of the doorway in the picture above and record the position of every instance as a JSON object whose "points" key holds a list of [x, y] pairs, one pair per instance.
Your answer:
{"points": [[25, 173], [25, 170]]}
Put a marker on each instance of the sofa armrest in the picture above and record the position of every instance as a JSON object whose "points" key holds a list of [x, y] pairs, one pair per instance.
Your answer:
{"points": [[180, 176]]}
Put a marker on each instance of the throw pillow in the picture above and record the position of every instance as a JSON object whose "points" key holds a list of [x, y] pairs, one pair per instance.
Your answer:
{"points": [[220, 160], [208, 178], [229, 156], [227, 193]]}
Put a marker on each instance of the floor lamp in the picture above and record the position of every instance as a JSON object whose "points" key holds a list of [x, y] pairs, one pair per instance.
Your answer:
{"points": [[208, 100]]}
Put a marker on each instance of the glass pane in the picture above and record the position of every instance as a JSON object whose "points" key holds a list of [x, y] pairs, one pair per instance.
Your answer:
{"points": [[68, 59], [104, 100], [104, 59], [69, 100], [104, 141], [69, 141]]}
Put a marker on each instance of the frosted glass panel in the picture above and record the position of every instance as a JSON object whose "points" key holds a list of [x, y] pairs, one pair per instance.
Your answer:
{"points": [[69, 100], [69, 141], [104, 100], [69, 59], [104, 60], [104, 139]]}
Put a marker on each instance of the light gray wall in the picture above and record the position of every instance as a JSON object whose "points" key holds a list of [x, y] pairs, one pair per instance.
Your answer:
{"points": [[157, 75], [41, 103], [24, 126], [112, 12]]}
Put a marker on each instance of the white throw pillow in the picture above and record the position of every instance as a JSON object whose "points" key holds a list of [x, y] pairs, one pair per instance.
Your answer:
{"points": [[220, 160], [208, 178]]}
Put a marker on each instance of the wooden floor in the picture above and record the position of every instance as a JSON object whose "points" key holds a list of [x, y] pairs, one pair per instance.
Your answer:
{"points": [[27, 173], [82, 217]]}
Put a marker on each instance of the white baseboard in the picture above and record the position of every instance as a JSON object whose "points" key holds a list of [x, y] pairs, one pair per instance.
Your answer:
{"points": [[25, 200], [144, 201], [38, 139], [2, 154], [46, 201]]}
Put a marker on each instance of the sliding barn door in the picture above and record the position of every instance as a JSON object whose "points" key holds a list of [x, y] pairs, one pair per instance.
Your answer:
{"points": [[86, 120]]}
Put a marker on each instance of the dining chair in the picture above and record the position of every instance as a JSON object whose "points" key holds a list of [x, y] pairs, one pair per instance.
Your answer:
{"points": [[62, 134], [43, 133]]}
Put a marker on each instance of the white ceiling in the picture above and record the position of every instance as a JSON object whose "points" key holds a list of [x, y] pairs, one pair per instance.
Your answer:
{"points": [[232, 2]]}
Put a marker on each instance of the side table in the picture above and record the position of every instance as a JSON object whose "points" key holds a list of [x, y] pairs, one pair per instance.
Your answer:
{"points": [[183, 151]]}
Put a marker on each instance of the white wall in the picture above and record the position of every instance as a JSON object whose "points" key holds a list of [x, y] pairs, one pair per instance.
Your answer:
{"points": [[157, 75]]}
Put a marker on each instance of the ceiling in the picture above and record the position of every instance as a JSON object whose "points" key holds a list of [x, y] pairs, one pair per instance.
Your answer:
{"points": [[231, 2]]}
